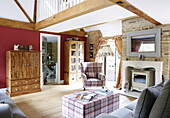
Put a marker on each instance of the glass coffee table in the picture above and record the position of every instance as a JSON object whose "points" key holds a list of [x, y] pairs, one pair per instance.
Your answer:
{"points": [[75, 108]]}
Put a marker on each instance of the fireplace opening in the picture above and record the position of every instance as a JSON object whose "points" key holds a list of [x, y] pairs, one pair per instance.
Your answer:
{"points": [[139, 78]]}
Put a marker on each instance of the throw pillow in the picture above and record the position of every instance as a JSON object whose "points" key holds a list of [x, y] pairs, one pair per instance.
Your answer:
{"points": [[91, 75], [161, 108], [146, 101]]}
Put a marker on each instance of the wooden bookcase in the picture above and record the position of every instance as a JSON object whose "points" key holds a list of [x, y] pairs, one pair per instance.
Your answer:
{"points": [[73, 56], [22, 72]]}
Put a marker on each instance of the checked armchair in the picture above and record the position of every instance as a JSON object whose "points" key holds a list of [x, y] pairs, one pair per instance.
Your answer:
{"points": [[91, 72]]}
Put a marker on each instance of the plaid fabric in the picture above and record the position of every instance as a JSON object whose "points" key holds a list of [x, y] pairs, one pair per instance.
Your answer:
{"points": [[92, 67], [91, 82], [92, 70], [74, 108]]}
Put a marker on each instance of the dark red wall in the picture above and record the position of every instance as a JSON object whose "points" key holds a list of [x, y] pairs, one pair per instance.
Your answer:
{"points": [[11, 36]]}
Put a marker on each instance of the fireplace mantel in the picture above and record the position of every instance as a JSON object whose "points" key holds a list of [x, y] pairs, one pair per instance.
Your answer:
{"points": [[157, 65]]}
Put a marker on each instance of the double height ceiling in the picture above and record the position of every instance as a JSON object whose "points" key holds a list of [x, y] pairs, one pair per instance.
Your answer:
{"points": [[64, 15]]}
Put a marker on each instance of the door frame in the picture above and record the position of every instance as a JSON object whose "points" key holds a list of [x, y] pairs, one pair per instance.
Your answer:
{"points": [[58, 81]]}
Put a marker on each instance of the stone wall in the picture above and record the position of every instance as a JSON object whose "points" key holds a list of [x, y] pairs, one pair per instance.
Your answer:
{"points": [[92, 38], [137, 24]]}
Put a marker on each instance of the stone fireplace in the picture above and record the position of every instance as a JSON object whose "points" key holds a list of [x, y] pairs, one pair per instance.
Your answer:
{"points": [[127, 70]]}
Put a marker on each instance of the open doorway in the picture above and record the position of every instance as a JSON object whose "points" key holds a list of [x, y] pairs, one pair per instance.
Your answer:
{"points": [[112, 66], [50, 59]]}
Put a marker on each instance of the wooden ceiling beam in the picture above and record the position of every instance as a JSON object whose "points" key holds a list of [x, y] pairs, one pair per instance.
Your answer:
{"points": [[75, 11], [22, 9], [74, 32], [35, 11], [16, 24], [130, 7]]}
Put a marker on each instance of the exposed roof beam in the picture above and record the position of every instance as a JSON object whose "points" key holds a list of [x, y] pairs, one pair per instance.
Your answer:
{"points": [[74, 32], [22, 9], [75, 11], [16, 24], [35, 11], [130, 7]]}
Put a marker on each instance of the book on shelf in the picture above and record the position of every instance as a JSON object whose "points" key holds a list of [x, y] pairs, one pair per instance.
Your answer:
{"points": [[104, 92], [85, 97]]}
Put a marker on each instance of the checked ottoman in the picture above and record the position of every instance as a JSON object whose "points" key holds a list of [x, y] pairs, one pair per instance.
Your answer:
{"points": [[74, 108]]}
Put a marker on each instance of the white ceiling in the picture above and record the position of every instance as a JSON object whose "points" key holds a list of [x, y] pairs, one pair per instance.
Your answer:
{"points": [[104, 15], [157, 9], [108, 29], [10, 10]]}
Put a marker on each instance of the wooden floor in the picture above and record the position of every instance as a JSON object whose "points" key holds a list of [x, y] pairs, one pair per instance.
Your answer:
{"points": [[47, 104]]}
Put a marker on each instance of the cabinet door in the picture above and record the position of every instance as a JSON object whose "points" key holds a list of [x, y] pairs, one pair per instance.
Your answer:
{"points": [[73, 56], [36, 64], [80, 56], [15, 65]]}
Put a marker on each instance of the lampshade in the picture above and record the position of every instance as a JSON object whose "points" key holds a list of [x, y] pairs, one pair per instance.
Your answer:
{"points": [[105, 51]]}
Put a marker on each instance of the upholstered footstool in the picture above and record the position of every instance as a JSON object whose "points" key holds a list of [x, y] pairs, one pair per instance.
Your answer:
{"points": [[74, 108]]}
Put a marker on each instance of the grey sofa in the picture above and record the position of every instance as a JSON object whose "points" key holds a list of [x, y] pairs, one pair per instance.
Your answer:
{"points": [[8, 109], [154, 102]]}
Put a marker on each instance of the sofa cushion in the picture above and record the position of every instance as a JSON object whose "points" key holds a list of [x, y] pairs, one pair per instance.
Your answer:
{"points": [[123, 113], [146, 101], [161, 108], [17, 113], [5, 111], [132, 105], [106, 116]]}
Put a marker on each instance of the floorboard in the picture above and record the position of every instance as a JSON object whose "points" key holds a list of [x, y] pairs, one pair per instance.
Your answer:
{"points": [[47, 104]]}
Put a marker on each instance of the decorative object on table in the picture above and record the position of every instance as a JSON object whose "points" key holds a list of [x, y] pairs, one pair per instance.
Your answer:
{"points": [[23, 47], [30, 48], [105, 51], [16, 47], [91, 73], [104, 91], [86, 97]]}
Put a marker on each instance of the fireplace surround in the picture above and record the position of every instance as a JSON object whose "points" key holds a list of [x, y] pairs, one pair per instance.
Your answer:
{"points": [[127, 66]]}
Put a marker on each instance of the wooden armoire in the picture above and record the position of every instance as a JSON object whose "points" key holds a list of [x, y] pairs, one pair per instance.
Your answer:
{"points": [[22, 72], [73, 56]]}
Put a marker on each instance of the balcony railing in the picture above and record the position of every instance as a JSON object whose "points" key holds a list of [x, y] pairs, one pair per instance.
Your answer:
{"points": [[47, 8]]}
